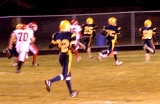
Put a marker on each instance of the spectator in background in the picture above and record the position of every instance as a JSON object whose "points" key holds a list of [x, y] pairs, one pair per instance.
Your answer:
{"points": [[147, 34], [88, 33], [111, 31], [65, 40], [76, 28]]}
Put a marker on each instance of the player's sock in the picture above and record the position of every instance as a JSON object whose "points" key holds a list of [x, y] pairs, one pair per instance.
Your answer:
{"points": [[34, 58], [57, 78], [69, 85], [76, 53]]}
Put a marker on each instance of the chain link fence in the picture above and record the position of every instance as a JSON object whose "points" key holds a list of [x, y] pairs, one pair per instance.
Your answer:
{"points": [[130, 22]]}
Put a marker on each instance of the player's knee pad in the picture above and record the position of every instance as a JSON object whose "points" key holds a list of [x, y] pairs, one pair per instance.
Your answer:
{"points": [[62, 77], [68, 78], [115, 52]]}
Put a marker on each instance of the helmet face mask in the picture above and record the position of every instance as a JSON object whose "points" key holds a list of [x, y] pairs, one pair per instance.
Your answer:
{"points": [[33, 26], [147, 23], [112, 21], [89, 20], [64, 25]]}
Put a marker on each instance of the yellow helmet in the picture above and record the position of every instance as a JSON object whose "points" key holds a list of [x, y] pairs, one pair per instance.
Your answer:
{"points": [[147, 23], [89, 20], [112, 21], [64, 25], [18, 26]]}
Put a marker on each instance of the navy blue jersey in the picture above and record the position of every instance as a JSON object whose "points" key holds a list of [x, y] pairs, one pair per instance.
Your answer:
{"points": [[112, 30], [88, 33], [89, 30], [147, 32], [64, 41]]}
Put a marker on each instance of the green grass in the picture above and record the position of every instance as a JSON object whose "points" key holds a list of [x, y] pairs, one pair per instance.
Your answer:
{"points": [[133, 82]]}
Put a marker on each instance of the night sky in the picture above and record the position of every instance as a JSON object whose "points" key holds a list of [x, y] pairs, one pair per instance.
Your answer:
{"points": [[52, 7]]}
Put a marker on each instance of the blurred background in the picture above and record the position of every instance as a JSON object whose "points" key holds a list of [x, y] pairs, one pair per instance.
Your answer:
{"points": [[52, 7], [130, 14]]}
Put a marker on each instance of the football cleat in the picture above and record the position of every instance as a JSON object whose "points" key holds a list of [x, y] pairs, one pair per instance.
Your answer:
{"points": [[74, 93], [35, 64], [17, 71], [48, 85], [90, 57], [78, 58], [118, 62], [99, 58], [15, 64]]}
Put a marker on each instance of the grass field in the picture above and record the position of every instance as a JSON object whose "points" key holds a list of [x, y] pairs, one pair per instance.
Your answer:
{"points": [[133, 82]]}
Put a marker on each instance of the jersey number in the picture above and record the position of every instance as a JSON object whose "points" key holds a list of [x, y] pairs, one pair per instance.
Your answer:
{"points": [[88, 30], [63, 45], [23, 36]]}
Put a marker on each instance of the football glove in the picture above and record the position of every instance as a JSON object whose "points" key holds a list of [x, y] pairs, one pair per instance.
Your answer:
{"points": [[8, 52], [51, 45]]}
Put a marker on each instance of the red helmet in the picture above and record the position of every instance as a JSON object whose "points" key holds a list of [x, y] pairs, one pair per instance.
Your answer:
{"points": [[24, 26], [74, 22], [33, 26]]}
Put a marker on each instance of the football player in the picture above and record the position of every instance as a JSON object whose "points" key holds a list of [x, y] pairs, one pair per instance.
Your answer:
{"points": [[111, 31], [33, 48], [23, 38], [88, 33], [65, 40], [76, 28], [147, 34], [12, 52]]}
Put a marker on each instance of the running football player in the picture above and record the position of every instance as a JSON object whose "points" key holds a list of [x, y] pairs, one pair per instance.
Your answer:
{"points": [[88, 34], [111, 31], [76, 28], [65, 40], [23, 38], [148, 36], [33, 48]]}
